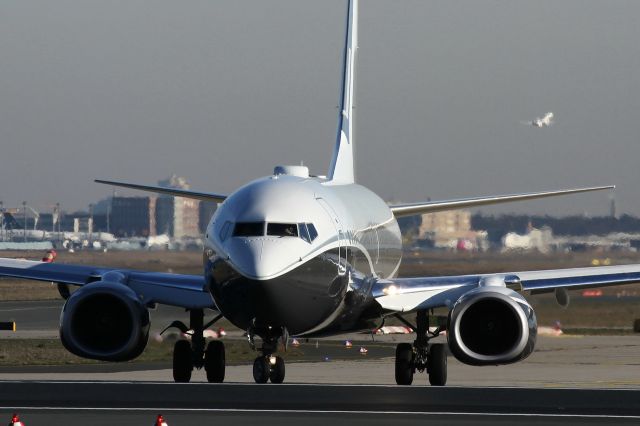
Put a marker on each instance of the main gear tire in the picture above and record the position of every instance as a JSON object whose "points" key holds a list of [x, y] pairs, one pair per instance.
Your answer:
{"points": [[404, 364], [182, 361], [214, 362], [437, 364]]}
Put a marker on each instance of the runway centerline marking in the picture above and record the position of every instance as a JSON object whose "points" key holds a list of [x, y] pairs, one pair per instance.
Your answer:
{"points": [[39, 308]]}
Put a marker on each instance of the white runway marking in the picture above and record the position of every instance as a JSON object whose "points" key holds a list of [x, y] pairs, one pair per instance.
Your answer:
{"points": [[360, 412], [38, 308]]}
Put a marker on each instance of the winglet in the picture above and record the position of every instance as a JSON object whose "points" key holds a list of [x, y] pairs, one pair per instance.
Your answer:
{"points": [[341, 169]]}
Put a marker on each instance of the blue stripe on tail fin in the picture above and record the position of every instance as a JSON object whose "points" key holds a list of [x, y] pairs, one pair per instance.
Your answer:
{"points": [[342, 164]]}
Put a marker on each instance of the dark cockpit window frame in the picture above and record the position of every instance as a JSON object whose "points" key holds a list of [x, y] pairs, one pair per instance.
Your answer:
{"points": [[307, 232], [275, 229], [304, 233], [311, 229], [249, 229], [224, 231]]}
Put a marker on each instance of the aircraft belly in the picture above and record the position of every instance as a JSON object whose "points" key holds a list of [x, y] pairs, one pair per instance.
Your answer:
{"points": [[297, 300], [313, 299]]}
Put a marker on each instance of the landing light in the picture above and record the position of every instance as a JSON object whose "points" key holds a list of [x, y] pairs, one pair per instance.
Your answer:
{"points": [[391, 290]]}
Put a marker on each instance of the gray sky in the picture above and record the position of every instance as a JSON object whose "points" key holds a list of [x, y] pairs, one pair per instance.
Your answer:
{"points": [[222, 91]]}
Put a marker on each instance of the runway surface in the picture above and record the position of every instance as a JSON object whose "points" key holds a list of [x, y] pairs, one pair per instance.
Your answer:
{"points": [[570, 361], [76, 403], [133, 393]]}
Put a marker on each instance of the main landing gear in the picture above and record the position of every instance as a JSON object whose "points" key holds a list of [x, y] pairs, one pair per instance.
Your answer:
{"points": [[421, 355], [189, 355], [268, 366]]}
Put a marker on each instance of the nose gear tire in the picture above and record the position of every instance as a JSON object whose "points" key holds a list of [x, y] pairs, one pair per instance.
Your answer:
{"points": [[277, 371], [261, 369]]}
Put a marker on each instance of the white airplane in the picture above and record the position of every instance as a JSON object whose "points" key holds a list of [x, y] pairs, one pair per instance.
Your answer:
{"points": [[544, 121], [296, 255]]}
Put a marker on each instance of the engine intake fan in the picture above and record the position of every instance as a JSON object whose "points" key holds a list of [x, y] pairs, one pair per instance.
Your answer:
{"points": [[104, 321], [490, 326]]}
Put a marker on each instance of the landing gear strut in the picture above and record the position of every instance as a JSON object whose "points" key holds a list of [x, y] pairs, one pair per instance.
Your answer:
{"points": [[187, 355], [268, 366], [421, 355]]}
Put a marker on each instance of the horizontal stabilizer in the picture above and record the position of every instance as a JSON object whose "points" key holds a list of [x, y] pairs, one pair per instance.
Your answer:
{"points": [[400, 210], [202, 196]]}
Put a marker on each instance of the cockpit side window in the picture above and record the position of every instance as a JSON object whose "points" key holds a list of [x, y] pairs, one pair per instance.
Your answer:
{"points": [[282, 229], [304, 233], [248, 229], [312, 231], [307, 231], [224, 231]]}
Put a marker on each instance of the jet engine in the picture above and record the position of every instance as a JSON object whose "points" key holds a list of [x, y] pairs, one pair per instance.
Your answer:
{"points": [[104, 321], [491, 326]]}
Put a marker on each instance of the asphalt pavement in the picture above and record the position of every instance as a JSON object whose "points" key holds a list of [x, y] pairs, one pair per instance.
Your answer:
{"points": [[82, 403]]}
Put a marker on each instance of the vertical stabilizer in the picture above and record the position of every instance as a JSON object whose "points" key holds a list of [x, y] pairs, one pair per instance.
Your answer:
{"points": [[342, 163]]}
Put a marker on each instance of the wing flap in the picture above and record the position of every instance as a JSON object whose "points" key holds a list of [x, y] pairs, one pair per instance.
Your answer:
{"points": [[579, 278]]}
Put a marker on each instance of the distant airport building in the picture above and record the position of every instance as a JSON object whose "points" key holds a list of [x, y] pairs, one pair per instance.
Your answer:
{"points": [[451, 229], [177, 216], [133, 216], [207, 209]]}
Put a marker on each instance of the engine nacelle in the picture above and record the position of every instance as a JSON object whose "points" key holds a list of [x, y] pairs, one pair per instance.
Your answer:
{"points": [[490, 326], [105, 321]]}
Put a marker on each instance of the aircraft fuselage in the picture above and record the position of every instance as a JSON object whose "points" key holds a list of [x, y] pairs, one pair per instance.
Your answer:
{"points": [[297, 252]]}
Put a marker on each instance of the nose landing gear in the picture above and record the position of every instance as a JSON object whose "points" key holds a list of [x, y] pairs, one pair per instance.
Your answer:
{"points": [[421, 355], [268, 366]]}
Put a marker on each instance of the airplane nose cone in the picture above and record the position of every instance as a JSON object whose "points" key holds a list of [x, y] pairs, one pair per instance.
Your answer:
{"points": [[246, 256], [263, 258]]}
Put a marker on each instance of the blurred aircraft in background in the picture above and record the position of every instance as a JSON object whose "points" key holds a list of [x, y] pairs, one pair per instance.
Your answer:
{"points": [[544, 121]]}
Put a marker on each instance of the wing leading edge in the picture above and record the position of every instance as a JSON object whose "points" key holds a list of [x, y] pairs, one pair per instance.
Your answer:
{"points": [[411, 294], [186, 291], [400, 210], [202, 196]]}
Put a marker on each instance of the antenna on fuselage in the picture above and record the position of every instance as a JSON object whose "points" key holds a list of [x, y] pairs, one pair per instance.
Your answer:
{"points": [[341, 169]]}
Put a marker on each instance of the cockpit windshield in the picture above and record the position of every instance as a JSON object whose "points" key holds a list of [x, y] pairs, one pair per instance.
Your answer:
{"points": [[248, 229], [282, 229], [305, 231]]}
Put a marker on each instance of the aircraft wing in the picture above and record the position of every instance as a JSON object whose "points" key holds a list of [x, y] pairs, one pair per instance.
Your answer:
{"points": [[202, 196], [411, 294], [400, 210], [187, 291]]}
